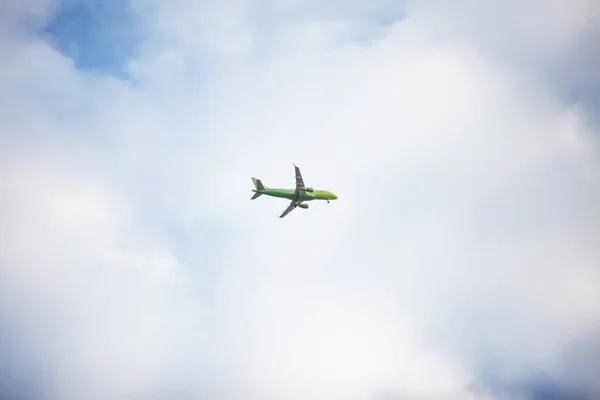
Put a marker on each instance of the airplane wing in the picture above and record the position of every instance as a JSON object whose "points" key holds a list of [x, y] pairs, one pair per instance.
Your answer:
{"points": [[299, 181], [290, 208]]}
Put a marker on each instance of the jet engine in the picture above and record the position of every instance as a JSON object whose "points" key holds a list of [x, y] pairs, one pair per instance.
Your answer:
{"points": [[303, 205], [310, 190]]}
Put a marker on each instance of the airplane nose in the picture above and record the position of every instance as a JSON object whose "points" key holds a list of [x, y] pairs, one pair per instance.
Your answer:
{"points": [[334, 196]]}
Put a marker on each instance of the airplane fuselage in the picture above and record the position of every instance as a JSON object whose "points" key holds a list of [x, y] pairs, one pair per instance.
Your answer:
{"points": [[290, 194]]}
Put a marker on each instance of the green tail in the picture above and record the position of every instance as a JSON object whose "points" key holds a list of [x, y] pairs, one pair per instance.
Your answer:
{"points": [[259, 188]]}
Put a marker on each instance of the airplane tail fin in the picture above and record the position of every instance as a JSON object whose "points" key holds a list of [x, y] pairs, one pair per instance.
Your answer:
{"points": [[259, 187], [258, 184]]}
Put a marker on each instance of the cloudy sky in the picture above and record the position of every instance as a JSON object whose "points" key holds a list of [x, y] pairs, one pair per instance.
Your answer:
{"points": [[462, 258]]}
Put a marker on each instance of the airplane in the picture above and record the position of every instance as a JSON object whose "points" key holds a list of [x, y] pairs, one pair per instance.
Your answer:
{"points": [[298, 196]]}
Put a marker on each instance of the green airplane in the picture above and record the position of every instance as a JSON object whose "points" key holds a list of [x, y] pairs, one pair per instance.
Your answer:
{"points": [[298, 196]]}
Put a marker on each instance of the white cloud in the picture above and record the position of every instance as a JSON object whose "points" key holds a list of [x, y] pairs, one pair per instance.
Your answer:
{"points": [[476, 202], [466, 227]]}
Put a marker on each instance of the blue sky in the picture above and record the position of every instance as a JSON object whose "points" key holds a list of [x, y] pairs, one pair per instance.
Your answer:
{"points": [[98, 35], [460, 260]]}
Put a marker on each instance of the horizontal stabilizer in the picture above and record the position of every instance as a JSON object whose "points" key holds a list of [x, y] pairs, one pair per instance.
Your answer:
{"points": [[256, 195]]}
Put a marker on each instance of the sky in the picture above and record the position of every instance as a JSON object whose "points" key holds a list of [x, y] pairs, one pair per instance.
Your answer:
{"points": [[461, 260]]}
